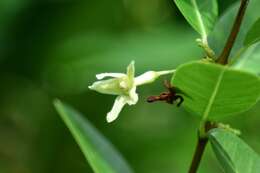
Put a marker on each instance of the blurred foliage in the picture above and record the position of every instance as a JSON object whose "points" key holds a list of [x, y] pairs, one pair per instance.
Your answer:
{"points": [[54, 48], [219, 36]]}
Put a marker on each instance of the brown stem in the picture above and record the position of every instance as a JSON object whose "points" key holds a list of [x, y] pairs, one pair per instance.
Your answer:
{"points": [[201, 145], [223, 58]]}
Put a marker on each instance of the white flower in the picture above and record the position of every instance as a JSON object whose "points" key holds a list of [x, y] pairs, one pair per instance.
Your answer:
{"points": [[124, 86]]}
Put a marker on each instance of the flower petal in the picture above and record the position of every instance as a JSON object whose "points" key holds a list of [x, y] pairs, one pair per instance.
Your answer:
{"points": [[133, 97], [117, 107], [160, 73], [147, 77], [115, 75], [150, 76], [131, 71], [109, 86]]}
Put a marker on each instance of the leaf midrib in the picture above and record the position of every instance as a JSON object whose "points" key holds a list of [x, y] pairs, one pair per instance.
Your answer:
{"points": [[201, 23], [213, 95], [223, 153]]}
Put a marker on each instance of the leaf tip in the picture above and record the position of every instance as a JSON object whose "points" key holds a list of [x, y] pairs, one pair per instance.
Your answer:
{"points": [[56, 103]]}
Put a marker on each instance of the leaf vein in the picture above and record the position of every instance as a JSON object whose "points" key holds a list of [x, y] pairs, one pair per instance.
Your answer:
{"points": [[213, 95]]}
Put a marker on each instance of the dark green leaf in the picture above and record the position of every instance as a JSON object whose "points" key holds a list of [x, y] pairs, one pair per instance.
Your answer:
{"points": [[101, 155], [234, 155]]}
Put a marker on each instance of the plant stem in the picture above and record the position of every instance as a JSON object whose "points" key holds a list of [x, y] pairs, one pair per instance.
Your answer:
{"points": [[209, 52], [201, 145], [223, 58]]}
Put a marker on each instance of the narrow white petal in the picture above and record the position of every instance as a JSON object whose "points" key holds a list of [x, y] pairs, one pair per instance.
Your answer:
{"points": [[115, 75], [150, 76], [165, 72], [117, 107], [147, 77], [131, 70], [109, 86]]}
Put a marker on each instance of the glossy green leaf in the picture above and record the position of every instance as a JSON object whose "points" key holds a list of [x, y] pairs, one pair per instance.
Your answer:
{"points": [[201, 14], [249, 60], [101, 155], [234, 155], [213, 91], [253, 35]]}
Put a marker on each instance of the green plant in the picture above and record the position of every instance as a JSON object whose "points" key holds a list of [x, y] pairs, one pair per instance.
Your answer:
{"points": [[224, 83]]}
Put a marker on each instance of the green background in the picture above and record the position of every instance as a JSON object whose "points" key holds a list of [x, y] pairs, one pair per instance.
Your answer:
{"points": [[54, 48]]}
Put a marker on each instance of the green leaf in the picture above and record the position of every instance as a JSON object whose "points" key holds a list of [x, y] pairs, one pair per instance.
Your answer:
{"points": [[101, 155], [218, 37], [253, 34], [249, 60], [234, 155], [201, 14], [213, 91]]}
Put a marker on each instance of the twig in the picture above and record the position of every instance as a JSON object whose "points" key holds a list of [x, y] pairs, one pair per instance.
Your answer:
{"points": [[201, 145], [223, 58]]}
